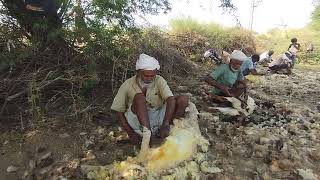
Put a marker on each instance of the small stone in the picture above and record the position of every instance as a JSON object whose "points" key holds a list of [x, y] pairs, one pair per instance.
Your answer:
{"points": [[119, 153], [89, 144], [25, 175], [5, 142], [40, 149], [83, 133], [73, 164], [62, 178], [101, 131], [64, 135], [182, 88], [11, 169], [268, 140], [275, 166], [111, 134], [220, 147], [205, 115], [32, 164], [32, 133]]}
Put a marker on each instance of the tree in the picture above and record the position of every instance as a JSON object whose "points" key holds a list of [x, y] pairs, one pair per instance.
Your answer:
{"points": [[315, 23], [39, 19], [61, 23], [46, 20]]}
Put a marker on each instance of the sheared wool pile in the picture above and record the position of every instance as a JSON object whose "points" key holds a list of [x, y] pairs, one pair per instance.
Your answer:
{"points": [[182, 155]]}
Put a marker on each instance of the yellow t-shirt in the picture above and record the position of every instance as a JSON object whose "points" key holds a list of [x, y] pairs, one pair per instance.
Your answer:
{"points": [[157, 92]]}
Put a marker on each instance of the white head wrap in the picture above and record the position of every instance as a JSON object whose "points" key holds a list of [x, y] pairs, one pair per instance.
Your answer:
{"points": [[146, 62], [238, 55]]}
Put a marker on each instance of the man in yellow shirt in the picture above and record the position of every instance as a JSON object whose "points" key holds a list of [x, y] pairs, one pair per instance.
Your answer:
{"points": [[145, 100]]}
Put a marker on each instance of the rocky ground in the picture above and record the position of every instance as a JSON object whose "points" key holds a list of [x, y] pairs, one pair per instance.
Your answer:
{"points": [[280, 140]]}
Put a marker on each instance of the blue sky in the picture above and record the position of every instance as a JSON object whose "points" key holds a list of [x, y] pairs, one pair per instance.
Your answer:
{"points": [[267, 15]]}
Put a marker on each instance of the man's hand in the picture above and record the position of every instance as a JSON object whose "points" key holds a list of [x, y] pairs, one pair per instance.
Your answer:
{"points": [[164, 131], [134, 138], [225, 90], [155, 141]]}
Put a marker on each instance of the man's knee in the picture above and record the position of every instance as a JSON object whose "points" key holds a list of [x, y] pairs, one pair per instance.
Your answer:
{"points": [[138, 100], [182, 100]]}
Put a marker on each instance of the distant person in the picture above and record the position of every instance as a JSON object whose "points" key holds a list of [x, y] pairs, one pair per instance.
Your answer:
{"points": [[266, 57], [212, 54], [310, 47], [283, 62], [217, 57], [227, 79], [249, 65], [293, 48]]}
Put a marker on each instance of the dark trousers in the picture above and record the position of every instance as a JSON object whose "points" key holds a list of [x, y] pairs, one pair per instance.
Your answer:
{"points": [[279, 67]]}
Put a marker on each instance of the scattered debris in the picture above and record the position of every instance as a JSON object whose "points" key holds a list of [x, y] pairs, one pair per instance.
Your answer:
{"points": [[64, 135], [11, 169], [307, 174], [45, 160]]}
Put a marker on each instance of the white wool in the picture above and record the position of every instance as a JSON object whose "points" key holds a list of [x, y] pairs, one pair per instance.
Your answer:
{"points": [[236, 107]]}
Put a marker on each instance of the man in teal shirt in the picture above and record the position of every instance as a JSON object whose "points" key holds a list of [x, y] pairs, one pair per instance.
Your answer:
{"points": [[227, 79]]}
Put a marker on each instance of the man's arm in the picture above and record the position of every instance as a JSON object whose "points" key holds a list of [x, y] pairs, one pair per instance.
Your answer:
{"points": [[134, 137], [221, 87], [171, 104], [168, 116], [255, 72]]}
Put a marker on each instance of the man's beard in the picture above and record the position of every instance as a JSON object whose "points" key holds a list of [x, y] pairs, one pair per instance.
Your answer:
{"points": [[144, 83], [235, 70]]}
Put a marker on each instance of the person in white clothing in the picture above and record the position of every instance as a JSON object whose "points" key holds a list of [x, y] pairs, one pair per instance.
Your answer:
{"points": [[266, 57], [283, 62]]}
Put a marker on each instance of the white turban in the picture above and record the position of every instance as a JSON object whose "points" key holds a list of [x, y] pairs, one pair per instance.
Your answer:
{"points": [[238, 55], [146, 62]]}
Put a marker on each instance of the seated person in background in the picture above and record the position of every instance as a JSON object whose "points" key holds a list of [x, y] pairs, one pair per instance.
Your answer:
{"points": [[249, 65], [212, 54], [145, 100], [266, 57], [310, 47], [227, 79], [283, 62], [217, 57]]}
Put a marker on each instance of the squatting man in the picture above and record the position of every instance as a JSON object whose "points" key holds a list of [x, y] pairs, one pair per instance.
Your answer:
{"points": [[145, 100]]}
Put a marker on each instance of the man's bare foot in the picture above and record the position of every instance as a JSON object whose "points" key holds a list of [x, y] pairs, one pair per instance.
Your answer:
{"points": [[135, 138], [156, 141]]}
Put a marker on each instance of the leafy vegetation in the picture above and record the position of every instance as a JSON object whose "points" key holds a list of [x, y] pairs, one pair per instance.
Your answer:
{"points": [[193, 38]]}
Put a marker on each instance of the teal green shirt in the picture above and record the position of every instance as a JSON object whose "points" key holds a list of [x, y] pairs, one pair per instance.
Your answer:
{"points": [[224, 75]]}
